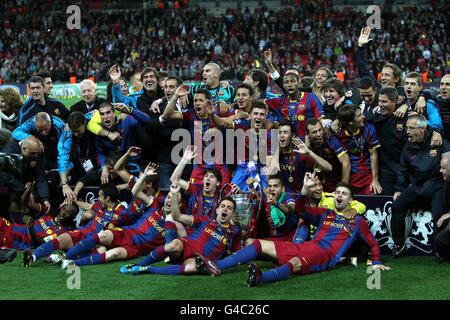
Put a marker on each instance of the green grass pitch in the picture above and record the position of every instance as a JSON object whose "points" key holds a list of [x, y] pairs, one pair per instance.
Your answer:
{"points": [[410, 278]]}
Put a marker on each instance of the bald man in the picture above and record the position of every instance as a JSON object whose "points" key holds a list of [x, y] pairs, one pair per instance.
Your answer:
{"points": [[90, 100], [211, 82], [33, 166], [48, 129]]}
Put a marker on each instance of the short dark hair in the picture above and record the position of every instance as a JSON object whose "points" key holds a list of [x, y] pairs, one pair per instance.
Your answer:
{"points": [[246, 86], [258, 104], [345, 185], [228, 198], [75, 120], [336, 84], [312, 122], [177, 79], [260, 76], [390, 92], [215, 172], [105, 104], [43, 74], [148, 70], [288, 124], [36, 79], [366, 83], [205, 92], [346, 114], [273, 177], [111, 191]]}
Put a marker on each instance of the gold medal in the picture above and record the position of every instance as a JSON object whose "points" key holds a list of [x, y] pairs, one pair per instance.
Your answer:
{"points": [[291, 179], [255, 157]]}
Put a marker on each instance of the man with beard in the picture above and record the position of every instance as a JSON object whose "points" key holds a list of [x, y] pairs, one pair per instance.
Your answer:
{"points": [[39, 102], [296, 158], [418, 178], [334, 236], [327, 146], [277, 219], [256, 143], [200, 125]]}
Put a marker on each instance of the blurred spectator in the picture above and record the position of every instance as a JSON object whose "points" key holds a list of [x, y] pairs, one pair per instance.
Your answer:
{"points": [[182, 40]]}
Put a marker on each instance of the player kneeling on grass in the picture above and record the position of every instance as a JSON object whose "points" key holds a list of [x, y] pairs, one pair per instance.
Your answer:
{"points": [[334, 236], [211, 238]]}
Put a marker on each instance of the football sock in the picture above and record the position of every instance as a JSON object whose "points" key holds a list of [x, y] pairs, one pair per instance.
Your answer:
{"points": [[156, 255], [247, 254], [85, 245], [277, 274], [94, 259], [45, 249]]}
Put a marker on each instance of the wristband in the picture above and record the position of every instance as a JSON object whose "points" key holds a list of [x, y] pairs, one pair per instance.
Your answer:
{"points": [[274, 75]]}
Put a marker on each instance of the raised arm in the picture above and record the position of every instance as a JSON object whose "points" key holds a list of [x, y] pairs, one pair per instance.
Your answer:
{"points": [[119, 167], [175, 207], [169, 111], [137, 189], [302, 148], [218, 121], [116, 90], [189, 154], [362, 63]]}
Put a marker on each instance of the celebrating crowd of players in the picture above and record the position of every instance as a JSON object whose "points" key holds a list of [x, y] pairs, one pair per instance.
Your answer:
{"points": [[322, 144]]}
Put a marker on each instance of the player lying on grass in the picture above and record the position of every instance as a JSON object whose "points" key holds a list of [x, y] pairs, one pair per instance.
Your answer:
{"points": [[211, 238], [107, 212], [334, 236], [148, 233], [44, 229]]}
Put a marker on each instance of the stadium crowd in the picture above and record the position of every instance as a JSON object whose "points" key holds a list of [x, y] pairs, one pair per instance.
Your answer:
{"points": [[305, 152], [180, 41]]}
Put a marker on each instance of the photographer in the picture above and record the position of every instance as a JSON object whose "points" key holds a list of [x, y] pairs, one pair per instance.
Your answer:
{"points": [[31, 169]]}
